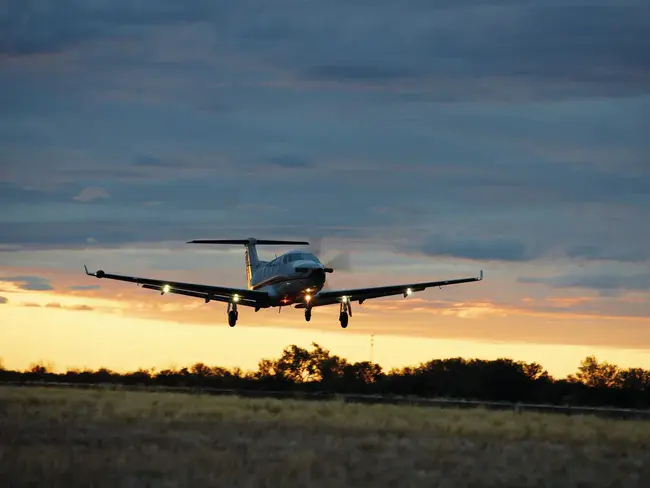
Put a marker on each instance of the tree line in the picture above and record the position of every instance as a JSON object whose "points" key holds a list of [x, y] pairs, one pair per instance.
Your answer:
{"points": [[595, 383]]}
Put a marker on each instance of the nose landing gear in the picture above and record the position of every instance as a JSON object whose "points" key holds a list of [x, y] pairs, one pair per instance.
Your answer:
{"points": [[308, 314]]}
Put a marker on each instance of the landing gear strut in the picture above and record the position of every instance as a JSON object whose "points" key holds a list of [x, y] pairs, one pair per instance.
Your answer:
{"points": [[233, 314], [308, 314], [346, 310]]}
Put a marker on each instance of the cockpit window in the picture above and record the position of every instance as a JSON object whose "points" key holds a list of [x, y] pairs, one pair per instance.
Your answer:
{"points": [[299, 256]]}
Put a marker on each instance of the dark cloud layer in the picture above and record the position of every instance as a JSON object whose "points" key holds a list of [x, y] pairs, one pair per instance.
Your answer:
{"points": [[149, 161], [289, 161], [84, 287], [3, 300], [489, 249], [34, 283], [47, 26], [608, 281], [554, 48], [486, 130]]}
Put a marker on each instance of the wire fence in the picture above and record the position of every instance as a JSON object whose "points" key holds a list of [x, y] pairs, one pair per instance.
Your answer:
{"points": [[618, 413]]}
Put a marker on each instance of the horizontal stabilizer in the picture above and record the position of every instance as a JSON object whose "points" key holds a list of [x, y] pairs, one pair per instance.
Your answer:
{"points": [[264, 242]]}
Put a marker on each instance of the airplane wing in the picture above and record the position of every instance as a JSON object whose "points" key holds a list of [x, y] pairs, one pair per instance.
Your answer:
{"points": [[329, 297], [242, 296]]}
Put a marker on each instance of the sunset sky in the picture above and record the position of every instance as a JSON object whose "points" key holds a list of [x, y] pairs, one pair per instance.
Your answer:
{"points": [[431, 139]]}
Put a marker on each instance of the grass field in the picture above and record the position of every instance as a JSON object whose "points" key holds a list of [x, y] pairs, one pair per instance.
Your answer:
{"points": [[65, 437]]}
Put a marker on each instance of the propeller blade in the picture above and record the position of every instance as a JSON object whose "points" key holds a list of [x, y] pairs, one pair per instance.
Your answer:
{"points": [[340, 262], [316, 245]]}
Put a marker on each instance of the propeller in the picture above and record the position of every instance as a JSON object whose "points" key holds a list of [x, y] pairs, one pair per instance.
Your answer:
{"points": [[340, 261]]}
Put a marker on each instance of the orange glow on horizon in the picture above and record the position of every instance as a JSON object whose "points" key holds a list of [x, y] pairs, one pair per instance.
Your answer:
{"points": [[125, 331]]}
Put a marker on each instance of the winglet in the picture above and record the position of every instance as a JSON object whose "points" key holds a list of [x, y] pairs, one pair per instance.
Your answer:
{"points": [[480, 276], [89, 274]]}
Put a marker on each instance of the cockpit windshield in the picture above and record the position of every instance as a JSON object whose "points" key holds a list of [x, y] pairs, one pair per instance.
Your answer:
{"points": [[307, 256], [301, 256]]}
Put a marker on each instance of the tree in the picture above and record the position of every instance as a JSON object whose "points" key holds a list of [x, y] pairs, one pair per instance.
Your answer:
{"points": [[295, 365], [636, 379], [535, 371], [201, 370], [363, 372], [595, 374], [594, 383], [265, 369], [39, 368]]}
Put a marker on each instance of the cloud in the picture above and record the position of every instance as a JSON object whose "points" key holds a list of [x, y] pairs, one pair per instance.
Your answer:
{"points": [[604, 281], [33, 283], [462, 50], [550, 50], [57, 305], [3, 300], [592, 252], [379, 105], [497, 249], [355, 73], [92, 193], [289, 162], [29, 30], [149, 161], [84, 287]]}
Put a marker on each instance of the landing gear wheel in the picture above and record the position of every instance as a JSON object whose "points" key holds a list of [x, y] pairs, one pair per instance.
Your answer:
{"points": [[308, 314], [232, 317], [343, 318]]}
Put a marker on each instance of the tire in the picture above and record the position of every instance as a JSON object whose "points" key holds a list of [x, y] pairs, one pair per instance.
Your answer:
{"points": [[343, 318]]}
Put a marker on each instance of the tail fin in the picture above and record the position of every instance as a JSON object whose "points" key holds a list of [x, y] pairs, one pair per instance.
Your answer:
{"points": [[252, 259]]}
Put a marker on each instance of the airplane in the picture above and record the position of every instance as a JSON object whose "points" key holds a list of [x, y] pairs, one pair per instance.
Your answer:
{"points": [[293, 278]]}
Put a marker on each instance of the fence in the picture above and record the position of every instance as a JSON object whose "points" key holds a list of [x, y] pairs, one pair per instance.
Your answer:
{"points": [[619, 413]]}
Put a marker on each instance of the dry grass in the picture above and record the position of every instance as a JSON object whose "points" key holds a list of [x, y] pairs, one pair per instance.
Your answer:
{"points": [[63, 437]]}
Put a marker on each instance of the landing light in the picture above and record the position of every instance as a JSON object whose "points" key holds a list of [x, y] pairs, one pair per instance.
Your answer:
{"points": [[307, 298], [166, 289], [235, 298], [408, 292], [344, 299]]}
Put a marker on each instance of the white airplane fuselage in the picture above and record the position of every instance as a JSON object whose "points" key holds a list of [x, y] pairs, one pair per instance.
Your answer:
{"points": [[288, 278]]}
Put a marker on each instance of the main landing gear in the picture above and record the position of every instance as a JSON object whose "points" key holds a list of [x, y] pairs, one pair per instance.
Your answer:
{"points": [[346, 311], [344, 314], [233, 314]]}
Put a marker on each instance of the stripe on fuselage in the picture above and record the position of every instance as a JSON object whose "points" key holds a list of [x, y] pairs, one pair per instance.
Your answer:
{"points": [[276, 280]]}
